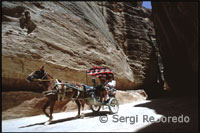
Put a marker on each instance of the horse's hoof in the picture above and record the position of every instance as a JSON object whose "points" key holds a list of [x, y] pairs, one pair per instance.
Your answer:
{"points": [[82, 116], [78, 116], [47, 123]]}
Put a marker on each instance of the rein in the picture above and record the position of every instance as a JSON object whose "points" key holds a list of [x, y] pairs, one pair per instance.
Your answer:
{"points": [[43, 80], [61, 88]]}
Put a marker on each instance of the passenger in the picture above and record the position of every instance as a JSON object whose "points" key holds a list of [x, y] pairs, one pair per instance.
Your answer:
{"points": [[112, 83], [110, 86]]}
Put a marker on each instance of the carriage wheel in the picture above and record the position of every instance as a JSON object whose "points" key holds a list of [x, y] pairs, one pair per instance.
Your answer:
{"points": [[95, 108], [113, 105]]}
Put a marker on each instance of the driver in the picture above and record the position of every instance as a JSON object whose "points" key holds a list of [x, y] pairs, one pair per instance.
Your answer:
{"points": [[101, 88], [107, 86]]}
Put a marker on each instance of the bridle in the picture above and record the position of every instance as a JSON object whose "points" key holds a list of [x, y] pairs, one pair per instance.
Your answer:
{"points": [[42, 79]]}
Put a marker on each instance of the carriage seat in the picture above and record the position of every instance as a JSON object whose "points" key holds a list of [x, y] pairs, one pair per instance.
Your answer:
{"points": [[88, 88]]}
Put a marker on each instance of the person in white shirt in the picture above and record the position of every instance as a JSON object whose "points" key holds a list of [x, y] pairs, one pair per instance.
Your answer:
{"points": [[111, 84]]}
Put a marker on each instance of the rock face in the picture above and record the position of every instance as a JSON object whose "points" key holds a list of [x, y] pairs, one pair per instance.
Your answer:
{"points": [[176, 25], [74, 36], [15, 98], [131, 28]]}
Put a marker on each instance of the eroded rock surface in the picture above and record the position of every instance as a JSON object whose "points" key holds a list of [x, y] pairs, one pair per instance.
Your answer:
{"points": [[74, 36]]}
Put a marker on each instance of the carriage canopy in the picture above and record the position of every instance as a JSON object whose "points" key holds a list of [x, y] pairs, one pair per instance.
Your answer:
{"points": [[99, 71]]}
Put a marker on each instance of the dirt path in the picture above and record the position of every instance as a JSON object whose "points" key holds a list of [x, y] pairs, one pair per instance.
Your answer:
{"points": [[131, 117]]}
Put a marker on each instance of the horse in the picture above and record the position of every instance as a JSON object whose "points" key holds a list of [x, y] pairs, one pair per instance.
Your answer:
{"points": [[48, 84]]}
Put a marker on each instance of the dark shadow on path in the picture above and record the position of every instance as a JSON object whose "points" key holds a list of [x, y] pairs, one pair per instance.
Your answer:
{"points": [[180, 107]]}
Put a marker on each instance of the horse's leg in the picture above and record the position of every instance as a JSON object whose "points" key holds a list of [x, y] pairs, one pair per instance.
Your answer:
{"points": [[82, 104], [45, 107], [79, 108], [52, 103]]}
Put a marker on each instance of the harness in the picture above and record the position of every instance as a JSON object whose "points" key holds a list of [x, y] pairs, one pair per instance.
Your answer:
{"points": [[61, 88]]}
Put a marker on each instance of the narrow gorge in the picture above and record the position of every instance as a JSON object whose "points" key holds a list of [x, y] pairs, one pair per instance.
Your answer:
{"points": [[152, 50]]}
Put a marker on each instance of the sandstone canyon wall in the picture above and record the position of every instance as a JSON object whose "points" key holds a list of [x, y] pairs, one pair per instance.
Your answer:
{"points": [[176, 25], [74, 36], [71, 37]]}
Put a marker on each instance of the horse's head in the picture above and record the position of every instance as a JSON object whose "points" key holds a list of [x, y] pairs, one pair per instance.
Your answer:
{"points": [[38, 74]]}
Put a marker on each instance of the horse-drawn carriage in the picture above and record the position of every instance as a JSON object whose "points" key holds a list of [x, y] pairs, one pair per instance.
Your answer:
{"points": [[91, 96], [55, 89], [94, 100]]}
